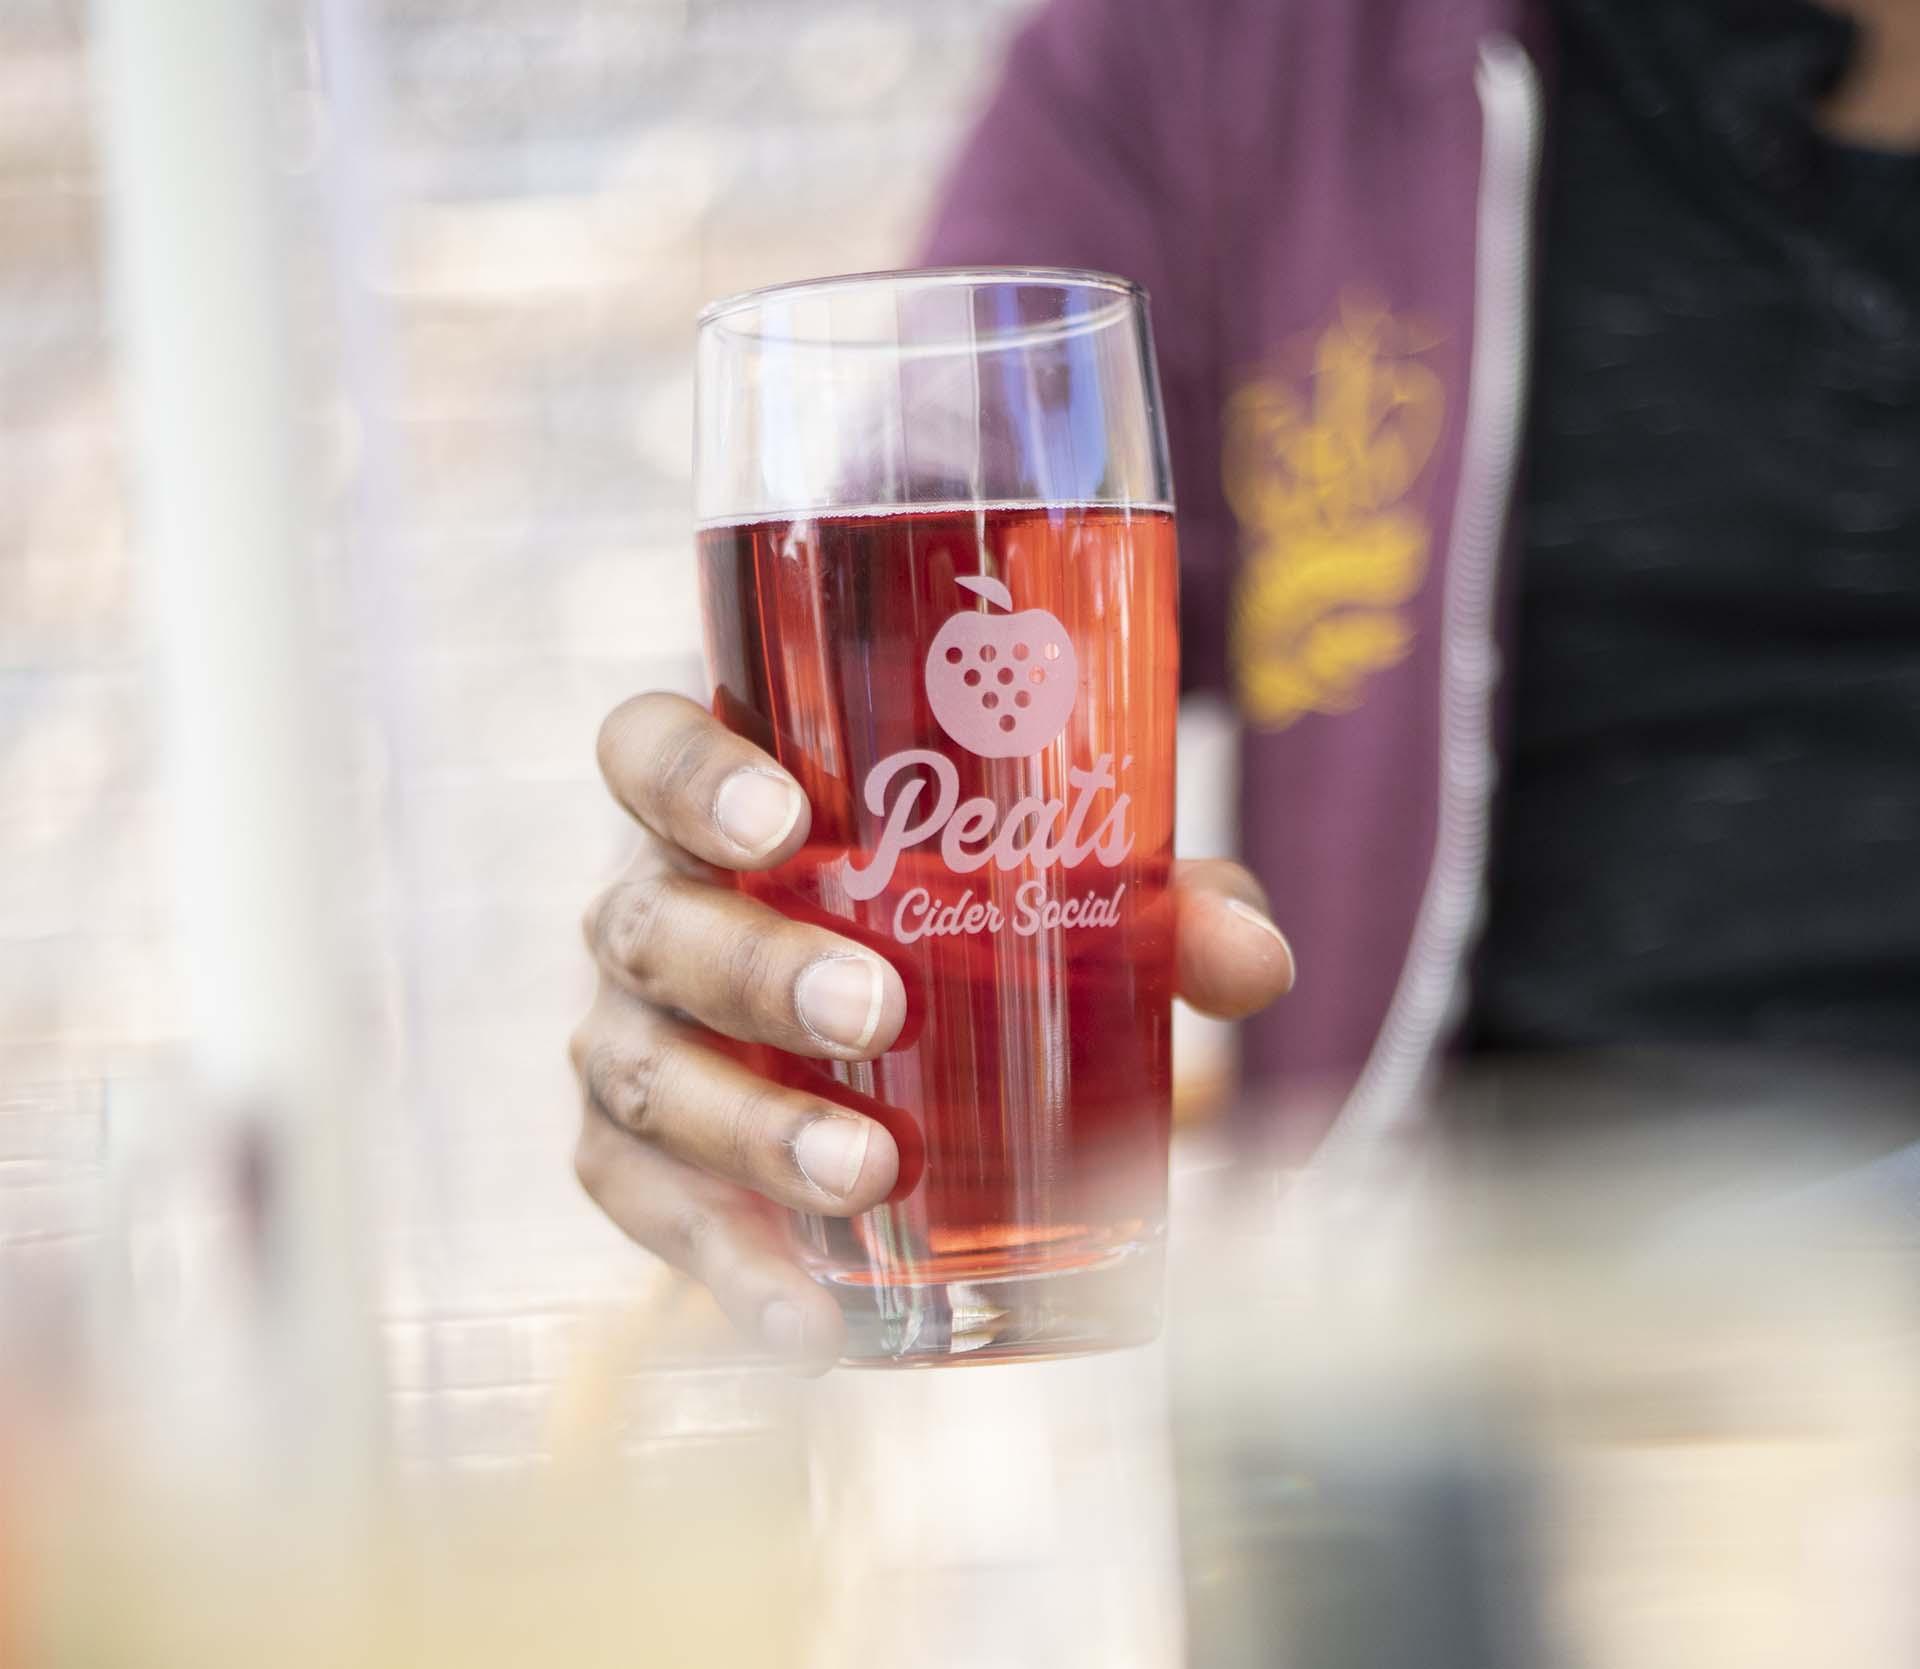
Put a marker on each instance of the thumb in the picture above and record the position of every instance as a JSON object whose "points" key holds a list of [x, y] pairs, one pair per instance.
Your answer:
{"points": [[1232, 960]]}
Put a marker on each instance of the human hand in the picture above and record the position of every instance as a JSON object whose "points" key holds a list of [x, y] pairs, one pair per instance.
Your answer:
{"points": [[688, 1150]]}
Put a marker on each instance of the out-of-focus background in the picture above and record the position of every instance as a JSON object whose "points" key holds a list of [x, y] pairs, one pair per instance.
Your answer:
{"points": [[498, 219]]}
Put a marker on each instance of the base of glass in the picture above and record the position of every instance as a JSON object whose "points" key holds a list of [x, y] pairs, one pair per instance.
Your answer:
{"points": [[1109, 1305]]}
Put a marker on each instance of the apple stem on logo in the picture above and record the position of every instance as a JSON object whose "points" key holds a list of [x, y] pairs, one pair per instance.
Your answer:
{"points": [[985, 585]]}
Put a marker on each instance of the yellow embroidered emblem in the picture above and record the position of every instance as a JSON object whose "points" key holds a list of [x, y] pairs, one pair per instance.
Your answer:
{"points": [[1331, 554]]}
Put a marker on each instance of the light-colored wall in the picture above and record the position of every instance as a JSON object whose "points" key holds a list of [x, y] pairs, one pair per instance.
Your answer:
{"points": [[500, 219]]}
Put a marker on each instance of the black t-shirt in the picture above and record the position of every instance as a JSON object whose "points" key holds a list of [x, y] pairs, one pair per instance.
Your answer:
{"points": [[1710, 825]]}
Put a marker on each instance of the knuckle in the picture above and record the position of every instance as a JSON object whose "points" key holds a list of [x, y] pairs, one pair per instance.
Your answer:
{"points": [[625, 1084], [695, 1234], [628, 920]]}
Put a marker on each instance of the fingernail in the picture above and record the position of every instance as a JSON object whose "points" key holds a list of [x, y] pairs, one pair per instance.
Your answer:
{"points": [[783, 1329], [1261, 920], [757, 809], [839, 999], [830, 1152]]}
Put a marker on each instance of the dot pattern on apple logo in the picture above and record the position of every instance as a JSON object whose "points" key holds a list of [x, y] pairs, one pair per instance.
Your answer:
{"points": [[990, 699], [1001, 683]]}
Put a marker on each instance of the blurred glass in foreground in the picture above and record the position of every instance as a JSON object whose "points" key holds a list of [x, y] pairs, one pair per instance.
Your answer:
{"points": [[1622, 1373], [1571, 1399]]}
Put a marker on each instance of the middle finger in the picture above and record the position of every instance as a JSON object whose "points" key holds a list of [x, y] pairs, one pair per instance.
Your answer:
{"points": [[659, 1082], [743, 969]]}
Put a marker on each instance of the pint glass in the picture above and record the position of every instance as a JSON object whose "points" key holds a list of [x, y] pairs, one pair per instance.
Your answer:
{"points": [[938, 569]]}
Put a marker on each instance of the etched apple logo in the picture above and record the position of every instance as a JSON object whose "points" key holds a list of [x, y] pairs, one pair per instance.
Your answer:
{"points": [[1001, 685]]}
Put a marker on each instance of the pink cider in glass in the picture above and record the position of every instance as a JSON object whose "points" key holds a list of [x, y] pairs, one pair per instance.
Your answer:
{"points": [[980, 704]]}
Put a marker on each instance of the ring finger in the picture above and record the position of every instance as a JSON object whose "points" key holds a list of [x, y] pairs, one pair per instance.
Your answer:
{"points": [[654, 1079]]}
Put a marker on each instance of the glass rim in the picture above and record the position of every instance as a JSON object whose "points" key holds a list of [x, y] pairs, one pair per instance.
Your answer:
{"points": [[836, 512], [1126, 294]]}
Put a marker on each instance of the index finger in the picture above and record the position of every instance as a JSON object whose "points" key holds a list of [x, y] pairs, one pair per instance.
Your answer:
{"points": [[693, 782]]}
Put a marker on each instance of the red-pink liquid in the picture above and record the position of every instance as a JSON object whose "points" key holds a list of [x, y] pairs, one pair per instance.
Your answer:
{"points": [[1029, 1093]]}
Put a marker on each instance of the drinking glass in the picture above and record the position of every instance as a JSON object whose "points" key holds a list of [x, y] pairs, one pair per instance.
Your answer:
{"points": [[939, 578]]}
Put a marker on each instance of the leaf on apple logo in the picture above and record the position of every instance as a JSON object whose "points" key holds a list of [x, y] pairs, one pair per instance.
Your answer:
{"points": [[985, 585]]}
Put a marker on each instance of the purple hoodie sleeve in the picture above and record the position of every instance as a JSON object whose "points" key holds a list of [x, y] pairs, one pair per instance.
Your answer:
{"points": [[1092, 153]]}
